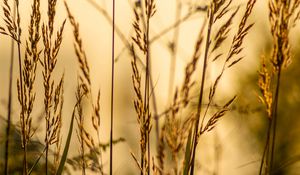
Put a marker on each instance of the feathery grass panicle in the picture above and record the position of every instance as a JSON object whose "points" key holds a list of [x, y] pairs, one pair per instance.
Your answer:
{"points": [[217, 11], [265, 83], [222, 33], [138, 33], [265, 86], [236, 46], [283, 16], [12, 26], [235, 49], [51, 15], [52, 46], [143, 117], [141, 39], [84, 90], [80, 53], [211, 123], [96, 116], [32, 56]]}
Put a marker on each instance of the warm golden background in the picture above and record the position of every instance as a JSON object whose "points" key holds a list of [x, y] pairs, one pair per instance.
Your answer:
{"points": [[238, 137]]}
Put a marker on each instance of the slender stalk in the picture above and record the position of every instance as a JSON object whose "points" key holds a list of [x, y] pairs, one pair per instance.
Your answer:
{"points": [[266, 148], [21, 85], [112, 89], [81, 130], [146, 92], [47, 141], [274, 119], [155, 111], [36, 162], [146, 23], [12, 51], [148, 75], [195, 139]]}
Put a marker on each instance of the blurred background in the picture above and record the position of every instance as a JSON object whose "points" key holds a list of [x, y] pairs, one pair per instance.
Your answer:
{"points": [[234, 147]]}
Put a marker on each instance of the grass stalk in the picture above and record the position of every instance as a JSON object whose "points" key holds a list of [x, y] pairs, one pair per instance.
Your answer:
{"points": [[21, 86], [9, 108], [23, 134], [112, 90], [155, 111], [265, 155], [147, 85], [283, 16], [274, 120], [52, 91], [204, 67]]}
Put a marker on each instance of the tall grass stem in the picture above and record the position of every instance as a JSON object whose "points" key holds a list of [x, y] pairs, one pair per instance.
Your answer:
{"points": [[11, 70], [207, 44], [112, 89]]}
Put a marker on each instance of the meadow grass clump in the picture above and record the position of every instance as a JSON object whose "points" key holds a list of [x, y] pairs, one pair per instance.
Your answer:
{"points": [[173, 146], [283, 16], [175, 129], [216, 11]]}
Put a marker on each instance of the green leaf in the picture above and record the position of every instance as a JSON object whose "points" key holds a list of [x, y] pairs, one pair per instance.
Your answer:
{"points": [[66, 148], [187, 157]]}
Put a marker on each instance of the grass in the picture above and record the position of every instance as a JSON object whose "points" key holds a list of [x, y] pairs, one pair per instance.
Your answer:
{"points": [[283, 17], [112, 89], [9, 108], [193, 109]]}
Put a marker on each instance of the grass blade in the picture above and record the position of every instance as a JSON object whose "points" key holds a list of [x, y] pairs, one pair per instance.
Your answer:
{"points": [[36, 162], [187, 156], [66, 149]]}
